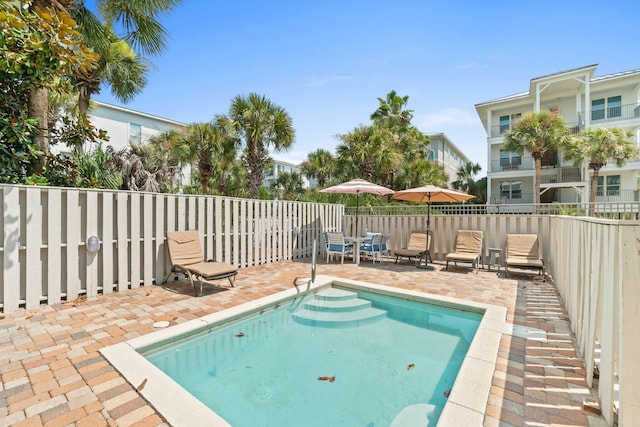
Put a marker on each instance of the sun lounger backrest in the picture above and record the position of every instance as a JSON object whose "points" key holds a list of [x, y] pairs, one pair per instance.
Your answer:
{"points": [[469, 241], [184, 247], [523, 245], [418, 240]]}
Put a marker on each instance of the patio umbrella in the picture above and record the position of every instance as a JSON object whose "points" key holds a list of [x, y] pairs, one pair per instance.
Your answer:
{"points": [[428, 194], [357, 186]]}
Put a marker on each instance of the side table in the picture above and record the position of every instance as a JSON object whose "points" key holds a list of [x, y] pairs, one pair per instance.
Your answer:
{"points": [[495, 254]]}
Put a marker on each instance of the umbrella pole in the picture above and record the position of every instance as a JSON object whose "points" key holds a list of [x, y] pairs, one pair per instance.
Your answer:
{"points": [[426, 265], [357, 206]]}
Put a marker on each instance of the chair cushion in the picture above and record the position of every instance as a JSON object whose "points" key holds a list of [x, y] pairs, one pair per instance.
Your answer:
{"points": [[524, 262], [523, 246], [463, 257], [407, 252], [184, 247], [211, 269], [469, 241]]}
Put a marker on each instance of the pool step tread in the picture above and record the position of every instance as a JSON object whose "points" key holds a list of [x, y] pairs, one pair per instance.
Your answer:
{"points": [[339, 318], [337, 308], [333, 294], [337, 305]]}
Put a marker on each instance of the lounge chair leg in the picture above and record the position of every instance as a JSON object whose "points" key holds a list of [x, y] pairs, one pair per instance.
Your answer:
{"points": [[232, 280]]}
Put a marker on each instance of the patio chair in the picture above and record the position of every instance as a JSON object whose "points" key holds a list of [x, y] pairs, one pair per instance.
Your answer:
{"points": [[337, 245], [372, 246], [468, 248], [385, 251], [522, 251], [416, 247], [185, 256]]}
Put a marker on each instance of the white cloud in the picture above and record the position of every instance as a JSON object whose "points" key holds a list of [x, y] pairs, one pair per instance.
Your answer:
{"points": [[317, 82], [472, 66], [431, 122]]}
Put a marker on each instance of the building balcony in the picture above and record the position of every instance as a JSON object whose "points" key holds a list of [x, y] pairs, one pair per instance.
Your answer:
{"points": [[621, 112], [562, 175], [499, 130], [513, 164]]}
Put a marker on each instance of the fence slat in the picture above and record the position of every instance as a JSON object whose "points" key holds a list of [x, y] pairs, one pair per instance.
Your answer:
{"points": [[33, 243], [122, 225], [12, 282], [107, 243], [54, 246], [134, 244], [74, 217], [159, 241], [91, 269], [147, 242]]}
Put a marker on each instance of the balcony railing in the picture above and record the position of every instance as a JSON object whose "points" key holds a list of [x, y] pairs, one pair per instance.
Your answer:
{"points": [[499, 130], [563, 174], [504, 165], [620, 112]]}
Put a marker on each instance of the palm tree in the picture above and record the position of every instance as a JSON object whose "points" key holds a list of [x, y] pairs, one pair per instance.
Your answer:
{"points": [[141, 29], [213, 146], [288, 186], [537, 133], [422, 172], [392, 112], [320, 165], [597, 146], [465, 178], [262, 124]]}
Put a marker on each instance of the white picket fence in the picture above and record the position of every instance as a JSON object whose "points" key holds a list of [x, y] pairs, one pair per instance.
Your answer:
{"points": [[44, 230]]}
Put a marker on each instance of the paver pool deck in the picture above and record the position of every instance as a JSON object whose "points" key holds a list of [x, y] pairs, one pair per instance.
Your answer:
{"points": [[52, 373]]}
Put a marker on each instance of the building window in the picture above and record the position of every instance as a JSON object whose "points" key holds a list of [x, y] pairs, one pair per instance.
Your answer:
{"points": [[432, 154], [612, 187], [511, 189], [510, 160], [606, 107], [507, 122], [135, 134]]}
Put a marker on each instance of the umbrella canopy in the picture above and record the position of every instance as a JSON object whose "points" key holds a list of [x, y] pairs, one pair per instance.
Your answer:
{"points": [[431, 193], [357, 186], [428, 194]]}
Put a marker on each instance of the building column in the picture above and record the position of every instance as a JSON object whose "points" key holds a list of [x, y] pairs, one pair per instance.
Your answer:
{"points": [[489, 156]]}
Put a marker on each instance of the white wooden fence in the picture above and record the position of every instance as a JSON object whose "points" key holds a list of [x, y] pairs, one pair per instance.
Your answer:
{"points": [[594, 263], [445, 227], [596, 267], [44, 230]]}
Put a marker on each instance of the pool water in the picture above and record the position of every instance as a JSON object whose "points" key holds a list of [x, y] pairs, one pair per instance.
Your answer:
{"points": [[334, 359]]}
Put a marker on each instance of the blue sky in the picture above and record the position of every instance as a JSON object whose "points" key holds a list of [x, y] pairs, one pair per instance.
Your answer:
{"points": [[327, 62]]}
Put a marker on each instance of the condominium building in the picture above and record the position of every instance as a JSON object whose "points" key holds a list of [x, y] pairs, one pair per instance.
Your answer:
{"points": [[584, 101], [126, 127], [445, 153]]}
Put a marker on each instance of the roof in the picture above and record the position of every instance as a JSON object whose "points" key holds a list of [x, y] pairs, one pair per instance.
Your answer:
{"points": [[138, 113]]}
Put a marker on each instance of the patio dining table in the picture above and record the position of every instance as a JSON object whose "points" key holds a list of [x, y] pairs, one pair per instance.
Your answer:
{"points": [[357, 241]]}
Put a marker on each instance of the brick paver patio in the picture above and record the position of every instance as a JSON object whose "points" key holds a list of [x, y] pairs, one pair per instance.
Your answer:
{"points": [[52, 373]]}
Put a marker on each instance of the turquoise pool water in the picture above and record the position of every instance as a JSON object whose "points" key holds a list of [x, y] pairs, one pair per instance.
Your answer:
{"points": [[340, 359]]}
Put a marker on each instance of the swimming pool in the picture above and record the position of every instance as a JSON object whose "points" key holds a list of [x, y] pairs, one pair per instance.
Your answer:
{"points": [[248, 383]]}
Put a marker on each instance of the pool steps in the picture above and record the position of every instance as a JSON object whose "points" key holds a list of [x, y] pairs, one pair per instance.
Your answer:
{"points": [[337, 308]]}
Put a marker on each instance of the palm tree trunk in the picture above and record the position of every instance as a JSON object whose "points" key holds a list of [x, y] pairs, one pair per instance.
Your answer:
{"points": [[38, 108], [594, 190], [256, 169], [538, 164]]}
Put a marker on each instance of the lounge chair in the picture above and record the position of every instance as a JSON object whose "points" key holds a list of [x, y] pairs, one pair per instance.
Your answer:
{"points": [[185, 255], [523, 252], [468, 248], [416, 247], [338, 246]]}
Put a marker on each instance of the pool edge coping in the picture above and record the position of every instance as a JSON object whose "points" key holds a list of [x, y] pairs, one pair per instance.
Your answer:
{"points": [[467, 400]]}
